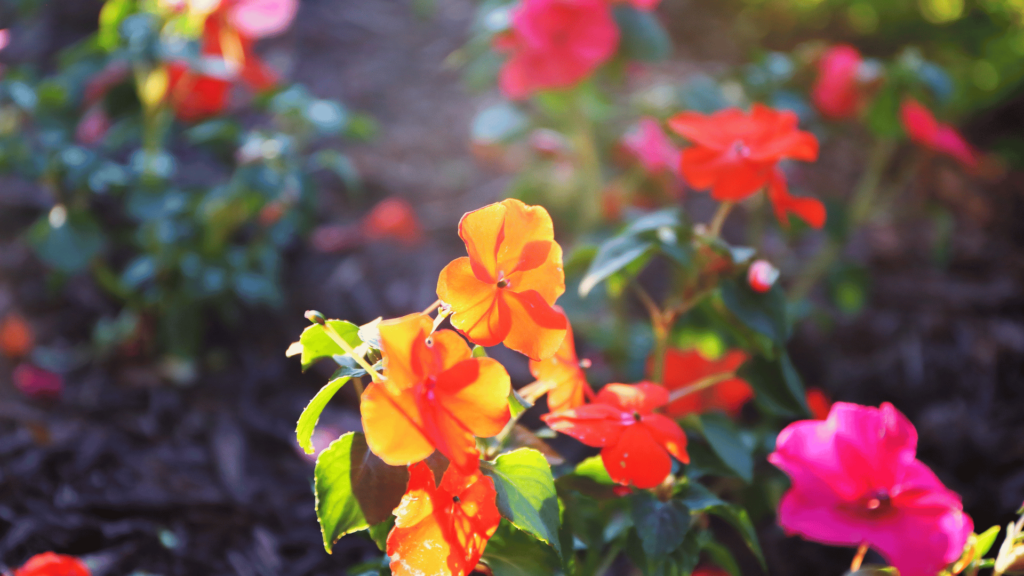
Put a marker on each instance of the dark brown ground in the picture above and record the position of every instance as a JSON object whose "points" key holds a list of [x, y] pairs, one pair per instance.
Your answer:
{"points": [[206, 480]]}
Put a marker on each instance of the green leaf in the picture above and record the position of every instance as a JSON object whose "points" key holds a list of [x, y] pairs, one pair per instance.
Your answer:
{"points": [[777, 385], [985, 541], [111, 16], [379, 533], [661, 526], [517, 404], [681, 562], [870, 570], [612, 256], [354, 488], [526, 493], [643, 36], [67, 242], [512, 552], [698, 498], [499, 123], [316, 344], [479, 352], [311, 414], [763, 313], [721, 556], [594, 469], [725, 440], [740, 520]]}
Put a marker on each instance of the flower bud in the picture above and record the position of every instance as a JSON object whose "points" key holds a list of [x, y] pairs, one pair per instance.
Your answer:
{"points": [[316, 317], [1011, 554], [762, 275]]}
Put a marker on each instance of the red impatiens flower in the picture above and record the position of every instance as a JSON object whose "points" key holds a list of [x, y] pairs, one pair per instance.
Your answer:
{"points": [[652, 147], [645, 5], [819, 403], [636, 442], [837, 92], [442, 530], [555, 44], [737, 153], [855, 479], [685, 368], [709, 571], [51, 564], [196, 96], [16, 336], [393, 218], [923, 128], [435, 396], [561, 377], [505, 289]]}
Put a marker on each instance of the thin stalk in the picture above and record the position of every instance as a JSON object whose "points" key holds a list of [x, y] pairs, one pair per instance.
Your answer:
{"points": [[590, 167], [859, 558], [609, 557], [661, 325], [715, 227], [701, 384], [433, 307], [333, 335]]}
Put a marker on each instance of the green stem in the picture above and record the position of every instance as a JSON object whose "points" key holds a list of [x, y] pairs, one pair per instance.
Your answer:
{"points": [[699, 385], [590, 168], [715, 227], [609, 557], [333, 335]]}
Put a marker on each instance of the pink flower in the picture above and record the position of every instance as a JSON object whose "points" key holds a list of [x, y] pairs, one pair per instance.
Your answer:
{"points": [[855, 479], [555, 44], [762, 275], [923, 128], [260, 18], [645, 5], [37, 383], [652, 147], [837, 92]]}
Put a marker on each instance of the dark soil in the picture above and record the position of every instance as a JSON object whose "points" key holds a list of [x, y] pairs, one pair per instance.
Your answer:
{"points": [[141, 475]]}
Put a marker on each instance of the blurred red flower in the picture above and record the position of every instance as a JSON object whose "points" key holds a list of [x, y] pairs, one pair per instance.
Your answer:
{"points": [[51, 564], [924, 129], [652, 147], [855, 479], [37, 383], [16, 336], [645, 5], [819, 403], [196, 96], [688, 367], [442, 530], [635, 441], [837, 93], [393, 218], [709, 571], [737, 153], [761, 276], [555, 44]]}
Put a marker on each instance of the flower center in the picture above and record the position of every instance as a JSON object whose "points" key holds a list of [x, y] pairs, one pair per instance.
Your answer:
{"points": [[739, 148], [879, 502], [502, 281], [636, 416], [455, 499], [428, 387]]}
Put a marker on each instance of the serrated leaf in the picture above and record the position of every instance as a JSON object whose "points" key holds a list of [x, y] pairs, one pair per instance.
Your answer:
{"points": [[612, 256], [316, 344], [725, 440], [740, 520], [526, 493], [512, 552], [763, 313], [354, 488], [311, 413], [661, 526]]}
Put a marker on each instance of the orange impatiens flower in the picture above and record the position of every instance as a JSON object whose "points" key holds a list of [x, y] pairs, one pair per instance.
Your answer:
{"points": [[690, 367], [561, 377], [635, 441], [736, 154], [435, 395], [16, 336], [442, 530], [505, 289]]}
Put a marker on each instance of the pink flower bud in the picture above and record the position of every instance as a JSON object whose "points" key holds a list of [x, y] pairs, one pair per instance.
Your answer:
{"points": [[762, 275]]}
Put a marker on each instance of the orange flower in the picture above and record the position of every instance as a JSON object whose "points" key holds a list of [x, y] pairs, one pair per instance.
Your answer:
{"points": [[393, 218], [435, 396], [51, 564], [442, 530], [560, 377], [685, 368], [635, 441], [505, 289], [819, 403], [16, 338]]}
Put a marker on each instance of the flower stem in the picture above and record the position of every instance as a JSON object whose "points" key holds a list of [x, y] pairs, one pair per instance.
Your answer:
{"points": [[333, 335], [590, 167], [859, 558], [703, 383], [715, 227], [433, 307], [661, 325]]}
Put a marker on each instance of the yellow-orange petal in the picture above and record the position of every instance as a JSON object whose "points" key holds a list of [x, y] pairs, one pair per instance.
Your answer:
{"points": [[475, 392], [449, 348], [527, 232], [393, 426], [483, 231], [547, 277], [450, 436], [477, 311], [536, 329], [418, 544], [403, 342]]}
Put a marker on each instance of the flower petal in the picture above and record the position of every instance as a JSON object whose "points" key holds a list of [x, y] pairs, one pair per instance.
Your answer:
{"points": [[475, 391], [668, 434], [642, 398], [536, 329], [393, 426], [596, 425], [477, 311], [403, 343], [483, 231], [637, 459]]}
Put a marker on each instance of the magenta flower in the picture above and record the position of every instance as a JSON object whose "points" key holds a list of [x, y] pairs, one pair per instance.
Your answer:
{"points": [[924, 129], [652, 147], [856, 480]]}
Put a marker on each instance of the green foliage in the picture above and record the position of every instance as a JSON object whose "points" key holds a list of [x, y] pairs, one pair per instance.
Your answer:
{"points": [[311, 414], [661, 526], [513, 552], [726, 442], [316, 344], [526, 493]]}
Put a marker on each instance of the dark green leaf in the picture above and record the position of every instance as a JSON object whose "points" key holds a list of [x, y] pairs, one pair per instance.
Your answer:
{"points": [[698, 498], [612, 256], [354, 488], [311, 414], [512, 552], [725, 440], [526, 493], [68, 241], [884, 113], [643, 37], [666, 217], [740, 520], [379, 533], [316, 344], [721, 556], [763, 313], [347, 366], [661, 526], [777, 385]]}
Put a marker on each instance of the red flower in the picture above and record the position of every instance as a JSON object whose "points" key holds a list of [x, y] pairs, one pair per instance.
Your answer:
{"points": [[686, 368], [736, 154], [442, 530], [837, 93], [16, 336], [649, 144], [51, 564], [393, 218], [635, 441], [561, 377], [37, 383], [819, 403], [855, 479], [504, 291], [645, 5], [555, 44], [762, 275], [196, 96], [709, 571], [923, 128], [435, 396]]}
